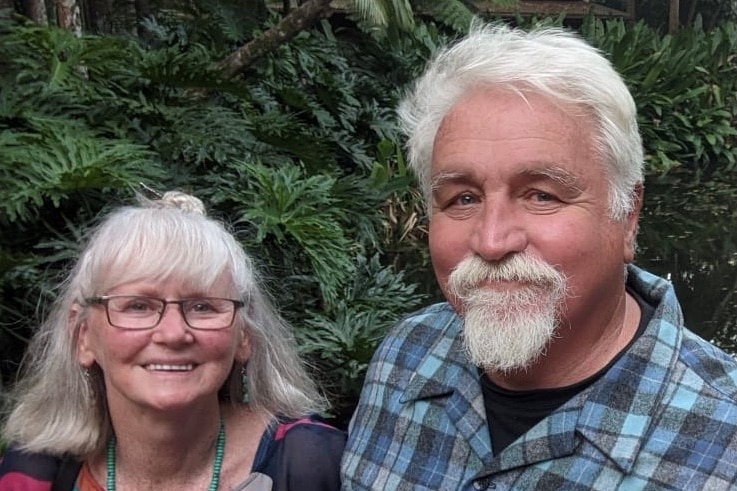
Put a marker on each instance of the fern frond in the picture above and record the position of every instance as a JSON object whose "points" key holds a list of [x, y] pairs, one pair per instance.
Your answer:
{"points": [[57, 158], [453, 13], [295, 210]]}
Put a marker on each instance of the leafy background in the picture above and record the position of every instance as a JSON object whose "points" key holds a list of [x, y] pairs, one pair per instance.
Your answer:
{"points": [[299, 152]]}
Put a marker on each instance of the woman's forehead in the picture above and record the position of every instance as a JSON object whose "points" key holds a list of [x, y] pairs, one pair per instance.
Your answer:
{"points": [[184, 279]]}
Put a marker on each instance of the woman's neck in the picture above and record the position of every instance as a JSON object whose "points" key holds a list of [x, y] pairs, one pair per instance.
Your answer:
{"points": [[163, 451], [176, 451]]}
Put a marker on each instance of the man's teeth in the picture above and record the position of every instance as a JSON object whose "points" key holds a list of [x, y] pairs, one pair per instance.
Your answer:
{"points": [[170, 368]]}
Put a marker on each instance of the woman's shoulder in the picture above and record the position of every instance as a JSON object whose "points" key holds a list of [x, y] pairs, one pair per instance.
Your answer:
{"points": [[304, 454], [308, 428], [32, 471]]}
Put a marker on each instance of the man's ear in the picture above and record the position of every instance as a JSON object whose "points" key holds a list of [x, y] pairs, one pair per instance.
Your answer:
{"points": [[631, 223], [85, 354]]}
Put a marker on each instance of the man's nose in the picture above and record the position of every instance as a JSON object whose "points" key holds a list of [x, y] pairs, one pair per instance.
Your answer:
{"points": [[499, 231]]}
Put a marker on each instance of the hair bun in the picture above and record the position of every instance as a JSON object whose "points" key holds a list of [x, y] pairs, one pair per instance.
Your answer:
{"points": [[182, 201]]}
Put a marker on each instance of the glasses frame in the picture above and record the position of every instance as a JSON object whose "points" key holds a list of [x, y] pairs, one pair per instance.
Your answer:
{"points": [[104, 299]]}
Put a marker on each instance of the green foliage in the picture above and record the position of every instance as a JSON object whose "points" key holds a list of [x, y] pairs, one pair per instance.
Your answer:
{"points": [[386, 12], [684, 86], [302, 157], [341, 344], [295, 210], [285, 156], [55, 158]]}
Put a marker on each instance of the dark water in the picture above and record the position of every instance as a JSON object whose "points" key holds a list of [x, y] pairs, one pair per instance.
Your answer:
{"points": [[706, 288], [689, 234]]}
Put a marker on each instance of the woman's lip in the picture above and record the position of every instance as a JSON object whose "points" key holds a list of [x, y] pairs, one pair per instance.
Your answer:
{"points": [[169, 367]]}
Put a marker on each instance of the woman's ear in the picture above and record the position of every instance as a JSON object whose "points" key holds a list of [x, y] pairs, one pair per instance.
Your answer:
{"points": [[85, 353], [243, 350]]}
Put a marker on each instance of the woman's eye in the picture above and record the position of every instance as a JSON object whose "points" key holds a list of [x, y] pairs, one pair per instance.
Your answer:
{"points": [[202, 306], [137, 306]]}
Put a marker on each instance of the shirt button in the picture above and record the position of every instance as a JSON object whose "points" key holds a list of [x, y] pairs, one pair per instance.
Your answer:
{"points": [[484, 484]]}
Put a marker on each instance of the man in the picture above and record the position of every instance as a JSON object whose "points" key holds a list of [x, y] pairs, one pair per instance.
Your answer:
{"points": [[555, 363]]}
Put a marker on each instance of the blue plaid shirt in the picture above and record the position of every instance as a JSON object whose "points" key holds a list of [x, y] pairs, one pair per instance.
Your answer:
{"points": [[664, 416]]}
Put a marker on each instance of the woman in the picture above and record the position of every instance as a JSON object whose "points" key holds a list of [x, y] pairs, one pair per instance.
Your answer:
{"points": [[163, 366]]}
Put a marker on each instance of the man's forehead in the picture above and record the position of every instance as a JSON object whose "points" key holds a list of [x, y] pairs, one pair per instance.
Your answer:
{"points": [[536, 169]]}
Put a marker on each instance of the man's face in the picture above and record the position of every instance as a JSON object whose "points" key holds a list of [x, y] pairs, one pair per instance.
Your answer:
{"points": [[516, 179]]}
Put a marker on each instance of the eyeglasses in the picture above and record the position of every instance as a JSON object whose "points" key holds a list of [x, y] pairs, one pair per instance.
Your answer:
{"points": [[137, 312]]}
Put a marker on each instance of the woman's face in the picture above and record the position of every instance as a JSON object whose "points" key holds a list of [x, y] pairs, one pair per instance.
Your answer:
{"points": [[168, 367]]}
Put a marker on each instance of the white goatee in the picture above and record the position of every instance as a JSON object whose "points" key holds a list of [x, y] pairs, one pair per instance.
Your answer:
{"points": [[510, 309]]}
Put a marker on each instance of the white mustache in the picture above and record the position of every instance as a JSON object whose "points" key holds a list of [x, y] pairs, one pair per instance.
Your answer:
{"points": [[473, 271]]}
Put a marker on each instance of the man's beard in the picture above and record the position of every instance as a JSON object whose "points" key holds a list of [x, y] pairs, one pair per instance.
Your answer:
{"points": [[508, 327]]}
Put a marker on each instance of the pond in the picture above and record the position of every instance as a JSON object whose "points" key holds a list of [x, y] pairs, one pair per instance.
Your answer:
{"points": [[688, 234]]}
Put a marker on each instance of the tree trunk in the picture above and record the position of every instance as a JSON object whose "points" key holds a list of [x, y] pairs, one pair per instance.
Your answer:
{"points": [[296, 21], [143, 8], [69, 16], [673, 16], [131, 17], [36, 11]]}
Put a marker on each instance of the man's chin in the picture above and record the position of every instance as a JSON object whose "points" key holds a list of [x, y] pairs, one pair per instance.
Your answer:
{"points": [[512, 342], [507, 367]]}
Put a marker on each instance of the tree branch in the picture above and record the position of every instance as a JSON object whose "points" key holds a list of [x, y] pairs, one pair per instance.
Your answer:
{"points": [[295, 22]]}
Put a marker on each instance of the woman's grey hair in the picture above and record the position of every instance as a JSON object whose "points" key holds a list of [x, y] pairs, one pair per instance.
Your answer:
{"points": [[59, 407], [548, 61]]}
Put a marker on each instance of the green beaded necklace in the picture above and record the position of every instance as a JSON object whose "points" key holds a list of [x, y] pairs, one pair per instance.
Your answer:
{"points": [[216, 464]]}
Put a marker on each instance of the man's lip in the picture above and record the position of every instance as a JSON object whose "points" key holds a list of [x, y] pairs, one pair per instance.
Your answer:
{"points": [[505, 284]]}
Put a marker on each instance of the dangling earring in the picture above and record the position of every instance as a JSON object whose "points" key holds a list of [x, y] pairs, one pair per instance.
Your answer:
{"points": [[244, 384], [90, 383]]}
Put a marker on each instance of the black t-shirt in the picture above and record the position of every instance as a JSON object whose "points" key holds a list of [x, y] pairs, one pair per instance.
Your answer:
{"points": [[512, 413]]}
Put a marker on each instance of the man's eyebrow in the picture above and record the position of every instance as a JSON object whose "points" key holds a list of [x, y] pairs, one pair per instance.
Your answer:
{"points": [[442, 178], [554, 173]]}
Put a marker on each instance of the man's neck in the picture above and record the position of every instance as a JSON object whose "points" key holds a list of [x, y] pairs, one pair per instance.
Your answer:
{"points": [[575, 354]]}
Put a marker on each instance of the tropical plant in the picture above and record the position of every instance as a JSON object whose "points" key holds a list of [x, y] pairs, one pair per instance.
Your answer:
{"points": [[285, 156], [302, 156]]}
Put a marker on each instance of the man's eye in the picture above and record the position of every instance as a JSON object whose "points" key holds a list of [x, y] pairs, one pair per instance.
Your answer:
{"points": [[464, 199], [543, 196]]}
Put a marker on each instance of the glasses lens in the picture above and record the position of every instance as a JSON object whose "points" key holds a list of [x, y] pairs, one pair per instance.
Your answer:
{"points": [[132, 312], [209, 313]]}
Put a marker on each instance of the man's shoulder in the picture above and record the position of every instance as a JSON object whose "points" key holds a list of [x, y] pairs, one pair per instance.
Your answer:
{"points": [[711, 369], [701, 366], [421, 330], [434, 329], [437, 317]]}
